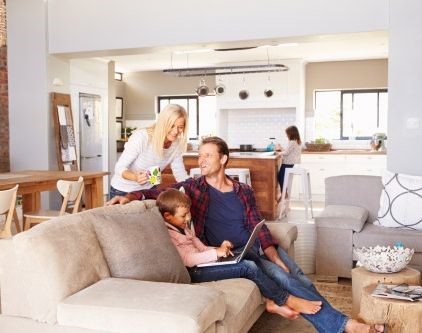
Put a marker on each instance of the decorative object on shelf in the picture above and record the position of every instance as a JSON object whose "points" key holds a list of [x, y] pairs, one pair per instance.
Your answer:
{"points": [[378, 142], [384, 259], [202, 90]]}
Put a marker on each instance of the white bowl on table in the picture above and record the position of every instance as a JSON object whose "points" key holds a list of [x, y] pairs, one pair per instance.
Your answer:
{"points": [[384, 259]]}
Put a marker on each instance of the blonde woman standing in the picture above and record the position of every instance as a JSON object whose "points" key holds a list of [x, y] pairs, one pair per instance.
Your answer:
{"points": [[158, 145]]}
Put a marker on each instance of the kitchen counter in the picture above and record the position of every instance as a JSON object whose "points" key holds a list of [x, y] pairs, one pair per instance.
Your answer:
{"points": [[263, 167], [347, 152]]}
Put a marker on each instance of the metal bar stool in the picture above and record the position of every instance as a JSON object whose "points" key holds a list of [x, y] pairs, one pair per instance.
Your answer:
{"points": [[287, 187], [242, 174]]}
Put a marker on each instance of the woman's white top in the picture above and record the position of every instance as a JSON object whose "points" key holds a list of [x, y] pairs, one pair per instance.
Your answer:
{"points": [[138, 155], [291, 155]]}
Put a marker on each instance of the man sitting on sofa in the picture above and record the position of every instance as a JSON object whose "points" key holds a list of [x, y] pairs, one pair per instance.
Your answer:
{"points": [[223, 208]]}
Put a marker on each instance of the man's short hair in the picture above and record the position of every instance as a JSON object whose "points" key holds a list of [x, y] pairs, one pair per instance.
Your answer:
{"points": [[222, 147], [169, 200]]}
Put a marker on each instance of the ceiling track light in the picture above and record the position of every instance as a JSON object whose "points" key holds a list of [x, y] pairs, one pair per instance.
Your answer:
{"points": [[226, 70]]}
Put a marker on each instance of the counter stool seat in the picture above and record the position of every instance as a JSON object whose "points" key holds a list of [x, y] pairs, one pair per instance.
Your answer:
{"points": [[287, 187]]}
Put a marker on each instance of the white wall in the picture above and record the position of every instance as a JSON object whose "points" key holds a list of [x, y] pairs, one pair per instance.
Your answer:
{"points": [[125, 24], [405, 86]]}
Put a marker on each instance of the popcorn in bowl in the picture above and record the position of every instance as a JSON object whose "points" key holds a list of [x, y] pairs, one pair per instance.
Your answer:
{"points": [[384, 259]]}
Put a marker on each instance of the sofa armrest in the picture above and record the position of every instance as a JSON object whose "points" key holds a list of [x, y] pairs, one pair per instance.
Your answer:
{"points": [[285, 233], [342, 217]]}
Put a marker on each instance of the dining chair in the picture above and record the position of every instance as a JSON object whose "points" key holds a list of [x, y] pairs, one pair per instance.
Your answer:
{"points": [[72, 194], [7, 207]]}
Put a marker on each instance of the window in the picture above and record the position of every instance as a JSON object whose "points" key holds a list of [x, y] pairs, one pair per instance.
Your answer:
{"points": [[350, 114], [201, 112]]}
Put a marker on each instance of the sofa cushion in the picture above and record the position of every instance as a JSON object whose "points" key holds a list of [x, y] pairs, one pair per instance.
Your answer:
{"points": [[122, 305], [138, 246], [372, 235], [342, 217], [242, 298], [400, 202], [56, 259]]}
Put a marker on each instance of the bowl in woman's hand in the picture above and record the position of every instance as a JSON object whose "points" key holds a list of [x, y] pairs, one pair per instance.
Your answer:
{"points": [[384, 259]]}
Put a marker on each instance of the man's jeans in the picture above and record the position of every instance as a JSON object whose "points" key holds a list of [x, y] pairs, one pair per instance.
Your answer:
{"points": [[245, 269], [328, 319]]}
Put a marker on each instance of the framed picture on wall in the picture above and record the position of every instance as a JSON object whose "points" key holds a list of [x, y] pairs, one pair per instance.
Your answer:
{"points": [[119, 128], [119, 107]]}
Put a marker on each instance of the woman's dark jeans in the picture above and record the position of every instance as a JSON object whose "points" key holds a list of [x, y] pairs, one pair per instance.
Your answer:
{"points": [[114, 192]]}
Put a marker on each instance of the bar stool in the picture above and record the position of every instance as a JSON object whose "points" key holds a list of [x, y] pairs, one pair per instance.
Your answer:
{"points": [[287, 187], [242, 174]]}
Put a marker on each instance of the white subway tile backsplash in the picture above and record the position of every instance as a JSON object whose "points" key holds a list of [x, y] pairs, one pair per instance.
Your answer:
{"points": [[256, 126]]}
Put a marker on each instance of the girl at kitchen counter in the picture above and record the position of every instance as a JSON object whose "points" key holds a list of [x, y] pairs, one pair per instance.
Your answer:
{"points": [[290, 155], [174, 207], [158, 145]]}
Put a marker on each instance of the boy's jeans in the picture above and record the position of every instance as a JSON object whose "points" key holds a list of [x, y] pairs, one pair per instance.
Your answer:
{"points": [[244, 269]]}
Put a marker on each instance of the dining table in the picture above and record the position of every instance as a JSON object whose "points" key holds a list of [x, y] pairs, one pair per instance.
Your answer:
{"points": [[33, 182]]}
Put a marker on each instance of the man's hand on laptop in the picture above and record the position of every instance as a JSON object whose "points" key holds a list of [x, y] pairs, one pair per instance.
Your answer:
{"points": [[225, 249]]}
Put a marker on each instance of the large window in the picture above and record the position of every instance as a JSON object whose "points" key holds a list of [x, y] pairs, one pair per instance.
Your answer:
{"points": [[350, 114], [201, 111]]}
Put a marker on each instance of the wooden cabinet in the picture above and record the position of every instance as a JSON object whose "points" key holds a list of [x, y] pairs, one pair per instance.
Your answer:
{"points": [[263, 178]]}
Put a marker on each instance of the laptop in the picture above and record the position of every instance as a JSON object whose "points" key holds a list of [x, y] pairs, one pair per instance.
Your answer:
{"points": [[237, 256]]}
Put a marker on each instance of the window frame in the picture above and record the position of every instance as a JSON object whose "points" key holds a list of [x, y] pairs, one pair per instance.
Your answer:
{"points": [[353, 92], [185, 97]]}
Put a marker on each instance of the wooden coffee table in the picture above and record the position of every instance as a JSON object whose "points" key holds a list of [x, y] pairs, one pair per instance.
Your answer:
{"points": [[361, 278], [400, 316]]}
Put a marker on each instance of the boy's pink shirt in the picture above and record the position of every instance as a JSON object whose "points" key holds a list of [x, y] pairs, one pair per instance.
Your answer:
{"points": [[190, 247]]}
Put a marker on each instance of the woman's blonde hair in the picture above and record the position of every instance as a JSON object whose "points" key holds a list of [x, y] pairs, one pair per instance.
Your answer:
{"points": [[166, 119]]}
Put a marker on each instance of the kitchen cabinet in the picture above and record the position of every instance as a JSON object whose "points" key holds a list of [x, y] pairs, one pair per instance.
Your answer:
{"points": [[325, 165]]}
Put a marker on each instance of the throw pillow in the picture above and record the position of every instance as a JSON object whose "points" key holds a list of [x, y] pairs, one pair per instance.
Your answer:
{"points": [[400, 202], [138, 246]]}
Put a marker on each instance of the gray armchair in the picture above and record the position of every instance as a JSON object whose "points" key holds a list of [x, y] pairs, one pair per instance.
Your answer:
{"points": [[352, 203]]}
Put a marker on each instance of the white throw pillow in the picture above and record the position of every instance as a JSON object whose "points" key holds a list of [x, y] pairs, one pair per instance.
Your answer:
{"points": [[400, 202]]}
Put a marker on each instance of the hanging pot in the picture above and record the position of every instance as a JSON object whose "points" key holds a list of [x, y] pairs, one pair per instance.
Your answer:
{"points": [[202, 90], [243, 94], [219, 89], [268, 92]]}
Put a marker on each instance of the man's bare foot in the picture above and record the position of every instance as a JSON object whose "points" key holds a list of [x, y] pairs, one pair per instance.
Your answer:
{"points": [[303, 305], [353, 326], [283, 310]]}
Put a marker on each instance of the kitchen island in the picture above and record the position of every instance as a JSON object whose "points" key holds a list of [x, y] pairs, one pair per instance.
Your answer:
{"points": [[263, 169]]}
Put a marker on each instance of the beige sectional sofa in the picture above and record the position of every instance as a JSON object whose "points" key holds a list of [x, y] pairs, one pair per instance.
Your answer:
{"points": [[351, 205], [114, 269]]}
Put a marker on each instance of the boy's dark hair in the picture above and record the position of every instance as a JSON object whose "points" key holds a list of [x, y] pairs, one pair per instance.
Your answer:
{"points": [[293, 134], [169, 200], [223, 149]]}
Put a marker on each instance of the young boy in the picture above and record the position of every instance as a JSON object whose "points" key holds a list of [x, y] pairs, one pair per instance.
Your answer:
{"points": [[174, 206]]}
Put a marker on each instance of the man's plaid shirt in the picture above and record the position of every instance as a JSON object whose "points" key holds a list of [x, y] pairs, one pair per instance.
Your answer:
{"points": [[198, 191]]}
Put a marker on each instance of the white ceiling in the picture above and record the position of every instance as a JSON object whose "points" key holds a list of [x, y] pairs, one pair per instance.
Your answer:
{"points": [[339, 47]]}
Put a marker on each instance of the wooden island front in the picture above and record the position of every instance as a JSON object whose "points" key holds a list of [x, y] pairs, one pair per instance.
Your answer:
{"points": [[263, 170]]}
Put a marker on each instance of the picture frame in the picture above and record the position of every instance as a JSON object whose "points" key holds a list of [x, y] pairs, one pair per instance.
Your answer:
{"points": [[119, 107], [119, 128]]}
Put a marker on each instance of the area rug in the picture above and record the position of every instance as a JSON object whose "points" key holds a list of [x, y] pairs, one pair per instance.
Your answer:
{"points": [[339, 296]]}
